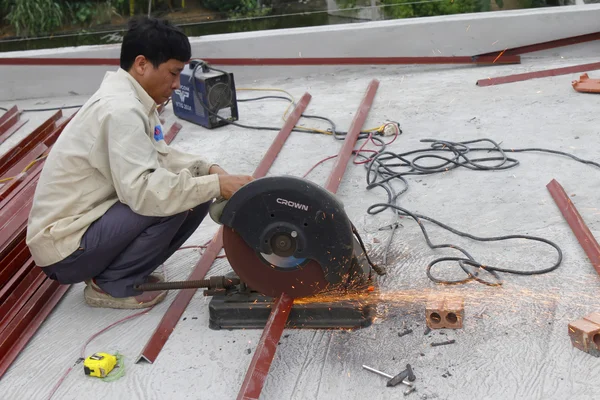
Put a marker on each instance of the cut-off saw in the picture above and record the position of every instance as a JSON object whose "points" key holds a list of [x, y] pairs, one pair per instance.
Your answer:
{"points": [[284, 234]]}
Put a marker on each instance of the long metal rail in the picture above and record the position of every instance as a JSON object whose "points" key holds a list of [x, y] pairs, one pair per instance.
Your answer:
{"points": [[267, 346], [475, 60], [575, 220]]}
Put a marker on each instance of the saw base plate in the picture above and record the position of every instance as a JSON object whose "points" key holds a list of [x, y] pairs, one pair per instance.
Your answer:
{"points": [[237, 310]]}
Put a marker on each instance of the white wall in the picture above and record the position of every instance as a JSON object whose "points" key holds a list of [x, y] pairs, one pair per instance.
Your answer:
{"points": [[456, 35]]}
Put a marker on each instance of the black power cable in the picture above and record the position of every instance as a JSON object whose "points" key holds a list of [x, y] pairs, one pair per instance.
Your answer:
{"points": [[385, 167]]}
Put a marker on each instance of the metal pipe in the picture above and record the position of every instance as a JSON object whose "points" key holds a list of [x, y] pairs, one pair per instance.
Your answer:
{"points": [[203, 283], [377, 372], [404, 381]]}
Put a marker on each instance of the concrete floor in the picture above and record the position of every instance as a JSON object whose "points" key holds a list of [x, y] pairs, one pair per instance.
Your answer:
{"points": [[514, 343]]}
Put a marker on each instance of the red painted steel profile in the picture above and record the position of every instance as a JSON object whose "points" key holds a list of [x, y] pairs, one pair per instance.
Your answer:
{"points": [[19, 295], [16, 168], [14, 155], [11, 268], [552, 44], [15, 184], [26, 295], [267, 346], [9, 118], [27, 159], [582, 232], [13, 217], [183, 298], [10, 122], [341, 162], [22, 328], [479, 60], [538, 74], [14, 110]]}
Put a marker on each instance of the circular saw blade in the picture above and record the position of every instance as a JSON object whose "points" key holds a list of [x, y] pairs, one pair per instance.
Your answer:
{"points": [[256, 273]]}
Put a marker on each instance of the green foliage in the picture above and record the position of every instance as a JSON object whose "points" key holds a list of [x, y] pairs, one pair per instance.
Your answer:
{"points": [[230, 5], [535, 3], [343, 4], [89, 12], [80, 12], [424, 9], [249, 8], [34, 17]]}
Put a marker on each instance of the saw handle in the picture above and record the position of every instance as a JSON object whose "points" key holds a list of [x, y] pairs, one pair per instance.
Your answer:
{"points": [[215, 210]]}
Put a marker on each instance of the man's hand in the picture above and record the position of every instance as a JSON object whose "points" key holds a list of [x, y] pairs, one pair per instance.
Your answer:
{"points": [[231, 183], [215, 169]]}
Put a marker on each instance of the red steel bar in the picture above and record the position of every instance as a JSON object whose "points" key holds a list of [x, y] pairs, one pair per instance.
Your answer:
{"points": [[259, 366], [21, 294], [333, 182], [267, 346], [13, 218], [576, 222], [478, 60], [15, 184], [11, 268], [60, 125], [27, 296], [546, 45], [538, 74], [14, 110], [10, 122], [26, 160], [183, 298], [14, 155], [9, 118], [22, 328]]}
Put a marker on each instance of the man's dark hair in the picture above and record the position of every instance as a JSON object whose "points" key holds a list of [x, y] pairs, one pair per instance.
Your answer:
{"points": [[156, 39]]}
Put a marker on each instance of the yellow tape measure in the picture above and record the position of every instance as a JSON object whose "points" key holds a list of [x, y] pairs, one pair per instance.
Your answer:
{"points": [[99, 364]]}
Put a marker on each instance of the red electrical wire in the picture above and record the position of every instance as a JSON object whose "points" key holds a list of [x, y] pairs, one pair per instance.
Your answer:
{"points": [[361, 149]]}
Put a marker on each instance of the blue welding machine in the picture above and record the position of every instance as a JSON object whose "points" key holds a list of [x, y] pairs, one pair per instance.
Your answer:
{"points": [[208, 99]]}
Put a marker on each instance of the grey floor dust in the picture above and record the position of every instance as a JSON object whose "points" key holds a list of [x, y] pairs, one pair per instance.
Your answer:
{"points": [[514, 344]]}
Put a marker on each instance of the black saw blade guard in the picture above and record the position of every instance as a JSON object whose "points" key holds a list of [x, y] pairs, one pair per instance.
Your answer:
{"points": [[290, 216]]}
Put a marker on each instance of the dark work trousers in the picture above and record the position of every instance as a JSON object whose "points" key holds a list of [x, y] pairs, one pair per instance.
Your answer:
{"points": [[122, 248]]}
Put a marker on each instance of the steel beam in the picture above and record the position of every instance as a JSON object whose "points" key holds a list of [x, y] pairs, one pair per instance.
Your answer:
{"points": [[538, 74], [293, 61], [341, 162], [260, 365], [305, 61], [14, 155], [28, 158], [21, 293], [22, 328], [183, 298], [27, 296], [576, 222], [546, 45], [11, 269], [267, 346], [10, 122], [19, 181]]}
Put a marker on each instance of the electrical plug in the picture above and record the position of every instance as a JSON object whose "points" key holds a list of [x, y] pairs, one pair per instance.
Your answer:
{"points": [[390, 129]]}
